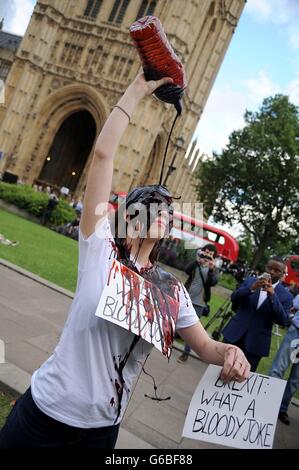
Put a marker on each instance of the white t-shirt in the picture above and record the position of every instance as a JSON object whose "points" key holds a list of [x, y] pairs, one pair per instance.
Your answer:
{"points": [[77, 384]]}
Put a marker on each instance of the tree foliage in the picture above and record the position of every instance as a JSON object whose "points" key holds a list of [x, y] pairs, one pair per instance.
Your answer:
{"points": [[255, 179]]}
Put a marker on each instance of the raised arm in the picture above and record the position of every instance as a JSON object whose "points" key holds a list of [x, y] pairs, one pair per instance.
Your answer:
{"points": [[99, 179]]}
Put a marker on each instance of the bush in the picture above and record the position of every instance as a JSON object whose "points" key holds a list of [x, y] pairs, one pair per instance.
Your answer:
{"points": [[178, 258], [34, 202], [228, 281]]}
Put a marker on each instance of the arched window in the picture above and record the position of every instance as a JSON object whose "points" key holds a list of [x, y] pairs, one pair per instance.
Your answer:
{"points": [[92, 8], [211, 9], [213, 25], [88, 7], [146, 8], [118, 11], [4, 69], [151, 7]]}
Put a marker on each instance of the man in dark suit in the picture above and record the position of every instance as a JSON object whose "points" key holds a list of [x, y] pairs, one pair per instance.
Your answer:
{"points": [[259, 303]]}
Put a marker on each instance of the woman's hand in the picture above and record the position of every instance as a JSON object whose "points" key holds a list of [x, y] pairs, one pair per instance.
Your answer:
{"points": [[143, 88], [235, 366]]}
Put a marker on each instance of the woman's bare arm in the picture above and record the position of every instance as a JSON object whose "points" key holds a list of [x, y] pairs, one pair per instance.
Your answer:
{"points": [[99, 179], [233, 360]]}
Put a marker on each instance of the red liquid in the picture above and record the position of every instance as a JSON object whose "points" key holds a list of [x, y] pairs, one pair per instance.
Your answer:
{"points": [[159, 59]]}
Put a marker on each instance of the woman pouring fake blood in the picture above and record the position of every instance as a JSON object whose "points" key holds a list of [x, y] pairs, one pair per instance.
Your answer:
{"points": [[79, 395]]}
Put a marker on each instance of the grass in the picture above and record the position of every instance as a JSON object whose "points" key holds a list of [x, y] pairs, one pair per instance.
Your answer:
{"points": [[41, 251], [228, 281], [54, 257], [6, 402]]}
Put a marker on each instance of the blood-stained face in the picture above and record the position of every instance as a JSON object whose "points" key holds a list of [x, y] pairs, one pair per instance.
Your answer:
{"points": [[151, 222], [151, 216], [160, 226]]}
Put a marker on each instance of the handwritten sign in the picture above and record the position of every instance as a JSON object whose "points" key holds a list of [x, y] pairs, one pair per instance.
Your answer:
{"points": [[241, 415], [130, 301]]}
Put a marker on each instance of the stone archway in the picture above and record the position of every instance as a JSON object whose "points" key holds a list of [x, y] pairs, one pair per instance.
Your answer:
{"points": [[59, 116], [69, 151]]}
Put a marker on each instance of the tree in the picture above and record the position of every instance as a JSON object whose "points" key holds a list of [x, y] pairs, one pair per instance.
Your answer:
{"points": [[254, 180], [245, 247]]}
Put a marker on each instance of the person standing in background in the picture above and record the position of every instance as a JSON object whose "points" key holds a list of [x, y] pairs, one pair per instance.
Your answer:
{"points": [[259, 303], [288, 354], [202, 276]]}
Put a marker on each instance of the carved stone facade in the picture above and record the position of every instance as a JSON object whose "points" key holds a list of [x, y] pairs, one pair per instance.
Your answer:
{"points": [[9, 44], [73, 64]]}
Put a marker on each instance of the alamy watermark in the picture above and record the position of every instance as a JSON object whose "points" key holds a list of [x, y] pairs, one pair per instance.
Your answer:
{"points": [[180, 220], [2, 352], [2, 92]]}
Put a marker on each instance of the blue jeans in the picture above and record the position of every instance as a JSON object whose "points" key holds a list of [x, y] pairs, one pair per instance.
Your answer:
{"points": [[284, 357], [198, 309], [28, 427]]}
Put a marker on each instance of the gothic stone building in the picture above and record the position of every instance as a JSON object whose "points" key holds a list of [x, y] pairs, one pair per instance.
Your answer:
{"points": [[71, 67]]}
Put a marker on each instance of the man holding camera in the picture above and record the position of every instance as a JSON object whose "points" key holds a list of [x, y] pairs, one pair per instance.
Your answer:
{"points": [[259, 302], [202, 276]]}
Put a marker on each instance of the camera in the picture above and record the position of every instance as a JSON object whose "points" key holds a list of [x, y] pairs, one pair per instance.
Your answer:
{"points": [[203, 255], [265, 276]]}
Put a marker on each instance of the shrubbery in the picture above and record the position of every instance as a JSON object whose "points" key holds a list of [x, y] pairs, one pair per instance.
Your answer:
{"points": [[228, 281], [34, 202]]}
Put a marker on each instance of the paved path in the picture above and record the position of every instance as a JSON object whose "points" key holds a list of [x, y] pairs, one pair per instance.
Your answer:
{"points": [[32, 313]]}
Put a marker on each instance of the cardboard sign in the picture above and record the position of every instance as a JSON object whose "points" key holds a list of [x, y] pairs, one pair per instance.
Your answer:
{"points": [[241, 415], [134, 303]]}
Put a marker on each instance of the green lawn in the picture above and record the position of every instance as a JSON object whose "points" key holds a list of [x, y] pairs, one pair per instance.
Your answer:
{"points": [[54, 257], [5, 408], [6, 402], [41, 251]]}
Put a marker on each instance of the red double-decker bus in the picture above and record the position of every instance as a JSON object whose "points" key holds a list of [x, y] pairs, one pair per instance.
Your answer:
{"points": [[200, 233], [292, 270]]}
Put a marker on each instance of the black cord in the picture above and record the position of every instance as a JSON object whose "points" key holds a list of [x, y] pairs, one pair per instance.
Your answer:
{"points": [[166, 148], [155, 387]]}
